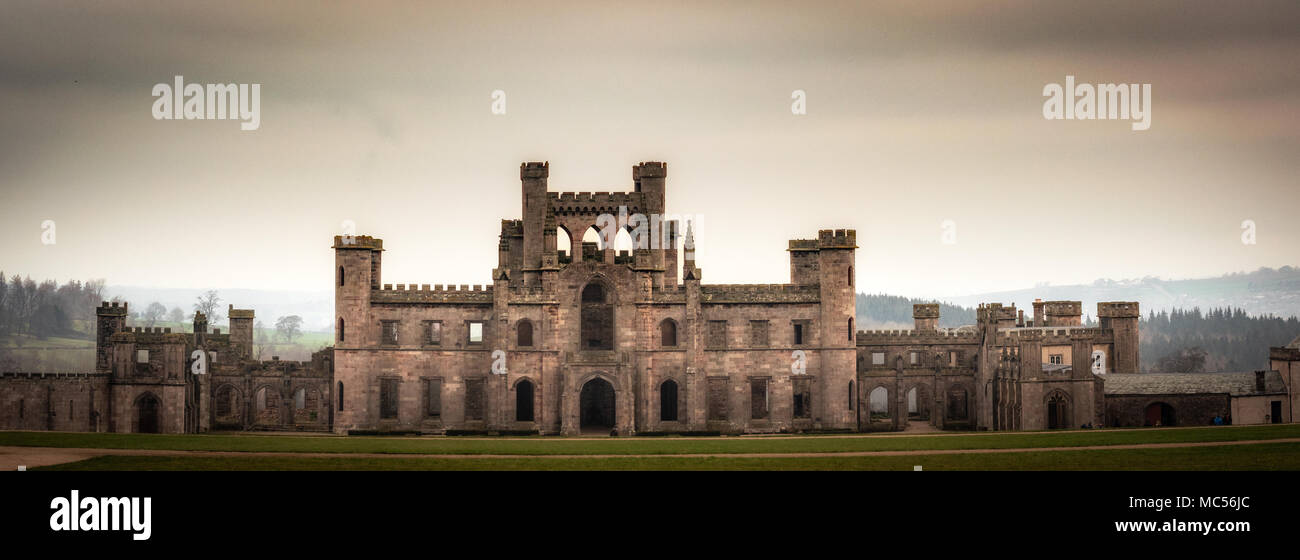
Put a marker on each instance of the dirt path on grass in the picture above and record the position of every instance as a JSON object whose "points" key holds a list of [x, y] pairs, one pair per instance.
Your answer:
{"points": [[12, 457]]}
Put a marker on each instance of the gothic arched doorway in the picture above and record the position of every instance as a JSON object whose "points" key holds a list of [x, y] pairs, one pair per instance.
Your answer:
{"points": [[146, 410], [1160, 414], [596, 404], [1058, 411], [597, 318]]}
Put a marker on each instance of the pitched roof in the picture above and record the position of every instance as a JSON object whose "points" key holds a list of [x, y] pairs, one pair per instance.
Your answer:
{"points": [[1295, 344], [1233, 383]]}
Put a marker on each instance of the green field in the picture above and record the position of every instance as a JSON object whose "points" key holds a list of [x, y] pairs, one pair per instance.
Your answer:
{"points": [[932, 451], [1273, 456]]}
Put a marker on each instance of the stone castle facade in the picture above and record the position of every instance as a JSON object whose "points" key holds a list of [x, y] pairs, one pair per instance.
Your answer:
{"points": [[145, 381], [588, 339], [594, 339]]}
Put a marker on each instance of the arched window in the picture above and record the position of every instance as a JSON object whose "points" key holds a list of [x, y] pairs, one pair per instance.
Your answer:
{"points": [[623, 241], [668, 333], [597, 318], [341, 281], [593, 236], [524, 330], [524, 401], [563, 244], [340, 396], [850, 329], [668, 401], [878, 402], [342, 336]]}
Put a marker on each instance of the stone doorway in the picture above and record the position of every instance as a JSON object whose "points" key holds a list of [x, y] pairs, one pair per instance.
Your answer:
{"points": [[1160, 414], [147, 414], [596, 406]]}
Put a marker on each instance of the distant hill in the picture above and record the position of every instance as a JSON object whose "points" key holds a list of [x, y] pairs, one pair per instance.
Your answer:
{"points": [[883, 311], [1266, 291]]}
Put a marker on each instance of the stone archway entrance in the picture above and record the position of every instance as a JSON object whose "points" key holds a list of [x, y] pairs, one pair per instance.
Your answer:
{"points": [[1058, 412], [147, 414], [1160, 414], [596, 406]]}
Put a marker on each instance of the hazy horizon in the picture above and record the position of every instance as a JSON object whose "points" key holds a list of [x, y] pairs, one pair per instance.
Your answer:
{"points": [[916, 114]]}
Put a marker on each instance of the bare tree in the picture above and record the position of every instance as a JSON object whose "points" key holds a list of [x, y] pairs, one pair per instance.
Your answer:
{"points": [[154, 313], [208, 304]]}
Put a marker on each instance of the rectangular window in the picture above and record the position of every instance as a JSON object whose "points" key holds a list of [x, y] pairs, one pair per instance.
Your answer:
{"points": [[388, 333], [475, 332], [954, 356], [433, 333], [474, 397], [758, 399], [914, 357], [800, 330], [802, 398], [758, 334], [717, 398], [717, 334], [1057, 358], [433, 398], [388, 398], [877, 358], [141, 356]]}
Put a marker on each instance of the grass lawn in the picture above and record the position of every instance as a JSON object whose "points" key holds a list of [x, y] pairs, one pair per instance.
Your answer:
{"points": [[1273, 456], [641, 445]]}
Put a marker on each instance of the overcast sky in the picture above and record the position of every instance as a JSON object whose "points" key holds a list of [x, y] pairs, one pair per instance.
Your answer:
{"points": [[917, 112]]}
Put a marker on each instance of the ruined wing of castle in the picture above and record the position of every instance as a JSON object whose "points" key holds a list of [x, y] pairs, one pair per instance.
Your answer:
{"points": [[587, 339]]}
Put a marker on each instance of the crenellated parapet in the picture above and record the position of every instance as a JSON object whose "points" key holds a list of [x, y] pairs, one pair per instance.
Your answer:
{"points": [[837, 239], [358, 242], [534, 170], [111, 309], [147, 335], [1118, 309], [586, 203], [425, 293], [913, 337], [52, 375], [760, 293]]}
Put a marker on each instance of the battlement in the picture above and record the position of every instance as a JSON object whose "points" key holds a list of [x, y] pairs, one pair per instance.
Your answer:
{"points": [[146, 330], [925, 311], [358, 242], [239, 313], [534, 170], [649, 169], [596, 202], [513, 228], [913, 337], [1063, 308], [803, 245], [1118, 309], [995, 312], [837, 239], [147, 335], [112, 308], [51, 375], [760, 293], [424, 293]]}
